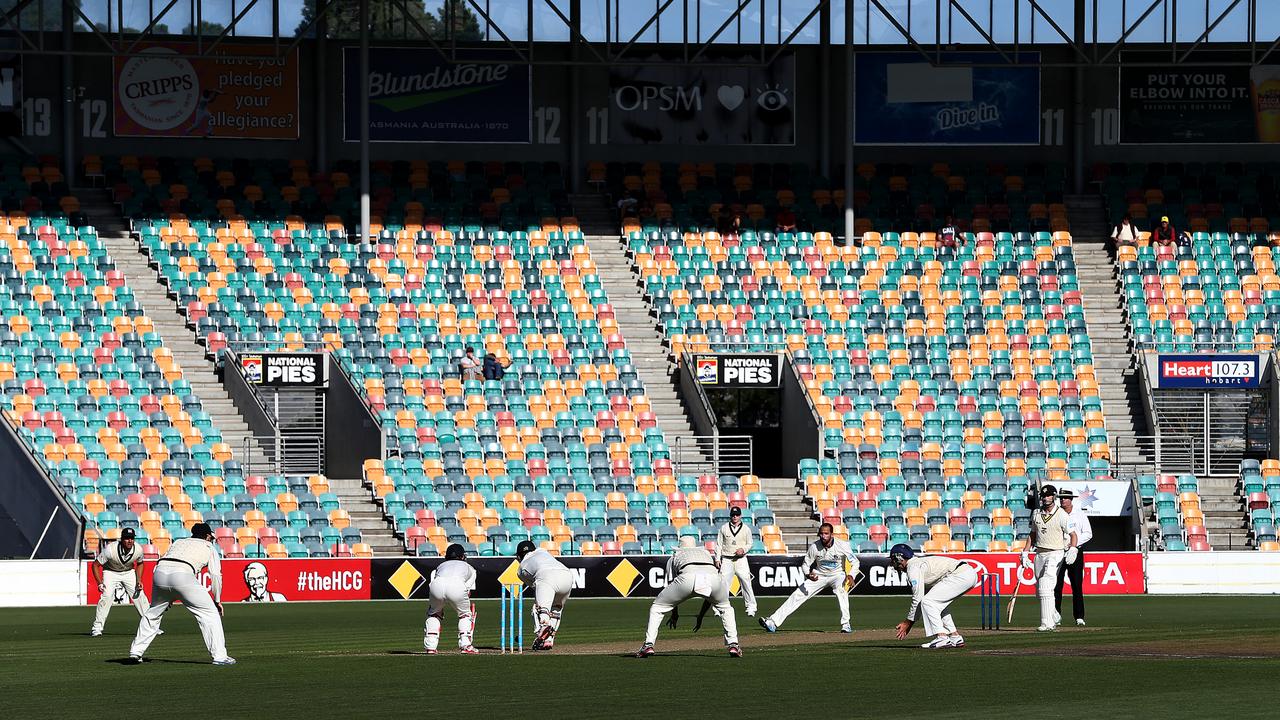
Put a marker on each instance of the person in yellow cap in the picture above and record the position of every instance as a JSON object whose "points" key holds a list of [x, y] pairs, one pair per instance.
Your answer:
{"points": [[1164, 233]]}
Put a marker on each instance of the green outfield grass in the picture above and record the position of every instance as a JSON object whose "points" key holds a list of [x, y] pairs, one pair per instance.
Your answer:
{"points": [[1140, 657]]}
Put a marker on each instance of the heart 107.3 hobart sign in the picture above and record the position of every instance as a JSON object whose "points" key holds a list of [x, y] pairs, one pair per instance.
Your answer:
{"points": [[1202, 372]]}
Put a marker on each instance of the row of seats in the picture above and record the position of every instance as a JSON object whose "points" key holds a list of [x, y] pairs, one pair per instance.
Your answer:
{"points": [[1200, 197]]}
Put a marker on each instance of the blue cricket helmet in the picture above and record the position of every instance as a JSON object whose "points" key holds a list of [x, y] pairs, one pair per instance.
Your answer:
{"points": [[901, 550]]}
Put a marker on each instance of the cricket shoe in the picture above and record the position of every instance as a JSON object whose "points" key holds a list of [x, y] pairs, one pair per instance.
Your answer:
{"points": [[957, 642], [1057, 618], [734, 650], [468, 650], [542, 642], [135, 659], [646, 650], [768, 625], [226, 661], [95, 633], [1080, 622], [432, 652], [751, 613], [1045, 628], [846, 629], [937, 643]]}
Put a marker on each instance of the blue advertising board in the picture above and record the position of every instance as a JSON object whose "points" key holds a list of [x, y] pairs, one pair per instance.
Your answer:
{"points": [[902, 99], [1208, 372], [417, 95]]}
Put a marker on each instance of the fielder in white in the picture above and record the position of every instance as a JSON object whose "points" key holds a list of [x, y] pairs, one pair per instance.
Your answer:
{"points": [[119, 565], [946, 579], [824, 567], [177, 577], [551, 582], [451, 584], [691, 571], [1054, 542], [733, 543]]}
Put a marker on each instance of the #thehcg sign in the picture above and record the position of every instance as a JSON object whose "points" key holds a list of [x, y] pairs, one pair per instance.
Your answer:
{"points": [[1208, 371]]}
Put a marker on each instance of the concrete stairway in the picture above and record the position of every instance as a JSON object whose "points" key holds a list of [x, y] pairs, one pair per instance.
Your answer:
{"points": [[200, 371], [648, 353], [1224, 517], [790, 512], [1088, 217], [181, 341], [366, 515], [595, 217], [1113, 358]]}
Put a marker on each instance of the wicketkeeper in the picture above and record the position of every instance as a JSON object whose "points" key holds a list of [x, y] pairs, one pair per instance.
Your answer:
{"points": [[451, 584]]}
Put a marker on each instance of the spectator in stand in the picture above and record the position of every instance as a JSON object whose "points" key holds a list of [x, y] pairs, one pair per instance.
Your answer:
{"points": [[493, 370], [948, 234], [1125, 233], [627, 206], [786, 220], [1164, 233], [469, 366], [729, 222]]}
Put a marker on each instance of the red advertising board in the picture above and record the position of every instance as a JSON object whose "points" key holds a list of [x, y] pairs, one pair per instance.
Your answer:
{"points": [[1105, 573], [279, 580]]}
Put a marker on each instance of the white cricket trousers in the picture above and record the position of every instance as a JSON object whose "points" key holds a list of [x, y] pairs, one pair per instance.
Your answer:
{"points": [[110, 581], [936, 602], [730, 567], [448, 591], [550, 591], [1047, 564], [175, 581], [808, 589], [703, 582]]}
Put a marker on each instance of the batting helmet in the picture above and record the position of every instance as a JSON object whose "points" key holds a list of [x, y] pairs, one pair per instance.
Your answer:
{"points": [[1048, 490], [524, 548], [455, 552], [901, 550]]}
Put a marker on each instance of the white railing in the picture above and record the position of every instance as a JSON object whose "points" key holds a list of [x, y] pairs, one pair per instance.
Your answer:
{"points": [[714, 454], [284, 454]]}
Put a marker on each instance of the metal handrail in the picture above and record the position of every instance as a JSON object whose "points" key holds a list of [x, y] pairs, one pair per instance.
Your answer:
{"points": [[285, 453], [731, 454]]}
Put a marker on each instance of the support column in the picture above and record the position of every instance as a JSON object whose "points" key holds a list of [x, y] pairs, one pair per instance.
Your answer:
{"points": [[572, 118], [848, 123], [69, 169], [321, 107], [364, 121], [824, 95], [1078, 134]]}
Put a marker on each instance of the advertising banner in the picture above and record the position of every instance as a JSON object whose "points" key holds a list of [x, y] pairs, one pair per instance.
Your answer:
{"points": [[417, 95], [703, 104], [645, 575], [902, 99], [285, 369], [1208, 372], [277, 580], [738, 370], [159, 94], [1198, 103], [1102, 498]]}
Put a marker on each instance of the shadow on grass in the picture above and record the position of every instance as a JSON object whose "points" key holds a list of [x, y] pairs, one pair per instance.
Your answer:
{"points": [[131, 661]]}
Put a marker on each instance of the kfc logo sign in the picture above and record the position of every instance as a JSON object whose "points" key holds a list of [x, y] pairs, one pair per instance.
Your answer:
{"points": [[1209, 371]]}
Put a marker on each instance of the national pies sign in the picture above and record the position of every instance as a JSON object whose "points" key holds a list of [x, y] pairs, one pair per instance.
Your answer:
{"points": [[1201, 372], [285, 369], [738, 370]]}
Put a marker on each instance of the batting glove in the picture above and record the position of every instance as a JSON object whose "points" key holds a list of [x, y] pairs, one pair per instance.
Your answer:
{"points": [[1072, 554], [1026, 560]]}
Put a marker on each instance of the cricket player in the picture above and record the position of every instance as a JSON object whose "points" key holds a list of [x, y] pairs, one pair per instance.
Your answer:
{"points": [[1079, 521], [551, 582], [946, 580], [733, 543], [117, 567], [255, 578], [824, 567], [691, 570], [177, 577], [1054, 542], [451, 583]]}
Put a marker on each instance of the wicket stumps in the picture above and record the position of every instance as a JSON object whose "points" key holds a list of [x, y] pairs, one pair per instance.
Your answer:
{"points": [[511, 623], [990, 600]]}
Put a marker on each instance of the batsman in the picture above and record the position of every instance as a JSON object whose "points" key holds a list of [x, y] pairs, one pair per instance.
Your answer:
{"points": [[551, 582]]}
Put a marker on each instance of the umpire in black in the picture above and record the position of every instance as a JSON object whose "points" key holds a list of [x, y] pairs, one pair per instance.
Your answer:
{"points": [[1078, 522]]}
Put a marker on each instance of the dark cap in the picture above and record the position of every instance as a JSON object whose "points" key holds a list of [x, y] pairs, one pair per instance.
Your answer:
{"points": [[201, 530], [735, 512], [1066, 494], [127, 534]]}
